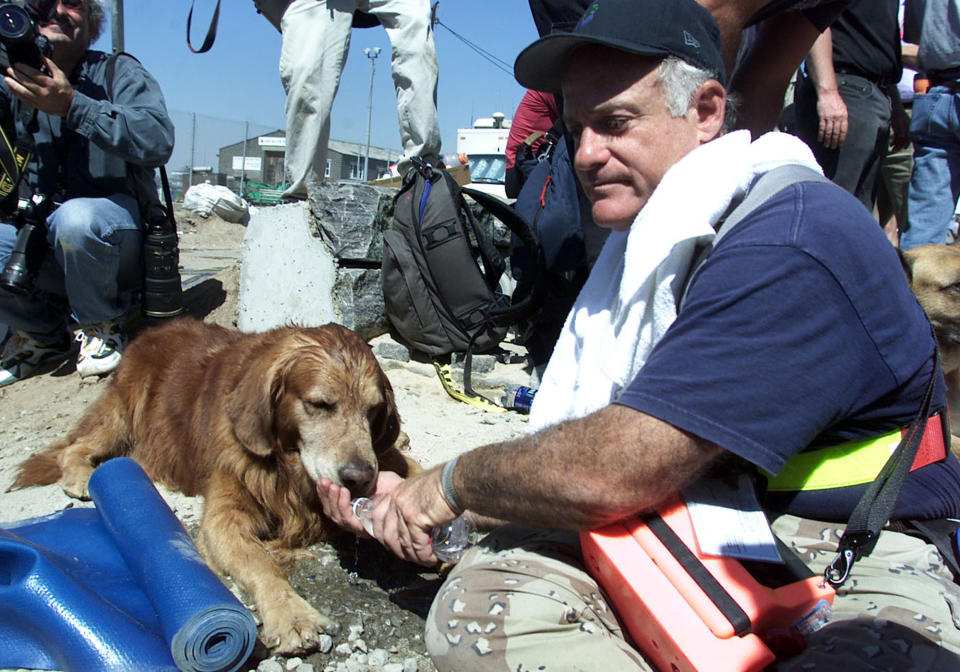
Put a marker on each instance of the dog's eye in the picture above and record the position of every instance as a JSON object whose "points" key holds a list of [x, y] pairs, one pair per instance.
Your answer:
{"points": [[316, 407]]}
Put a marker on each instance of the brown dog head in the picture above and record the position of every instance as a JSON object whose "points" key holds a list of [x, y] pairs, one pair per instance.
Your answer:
{"points": [[318, 391], [934, 275]]}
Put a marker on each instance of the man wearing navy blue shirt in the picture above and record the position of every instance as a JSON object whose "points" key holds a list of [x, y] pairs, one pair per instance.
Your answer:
{"points": [[797, 334]]}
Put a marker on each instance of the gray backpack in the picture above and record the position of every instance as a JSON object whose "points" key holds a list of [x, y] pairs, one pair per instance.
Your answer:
{"points": [[441, 271]]}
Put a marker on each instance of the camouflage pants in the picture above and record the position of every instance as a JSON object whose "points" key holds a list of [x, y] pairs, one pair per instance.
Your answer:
{"points": [[522, 601]]}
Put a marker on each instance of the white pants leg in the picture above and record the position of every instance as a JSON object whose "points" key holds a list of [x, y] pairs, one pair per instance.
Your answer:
{"points": [[316, 37], [415, 72]]}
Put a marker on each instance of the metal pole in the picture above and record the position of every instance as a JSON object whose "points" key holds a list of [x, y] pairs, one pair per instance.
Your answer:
{"points": [[243, 164], [372, 55], [193, 144], [116, 25]]}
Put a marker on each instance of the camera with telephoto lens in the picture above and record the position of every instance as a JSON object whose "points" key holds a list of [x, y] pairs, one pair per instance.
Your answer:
{"points": [[20, 42], [30, 247], [162, 292]]}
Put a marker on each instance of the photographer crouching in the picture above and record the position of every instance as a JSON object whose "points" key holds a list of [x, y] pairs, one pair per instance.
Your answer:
{"points": [[87, 129]]}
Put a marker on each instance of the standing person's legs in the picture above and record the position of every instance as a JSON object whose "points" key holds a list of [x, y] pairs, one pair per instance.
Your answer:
{"points": [[521, 600], [316, 37], [935, 183], [855, 165], [413, 61], [806, 123], [859, 158], [892, 194]]}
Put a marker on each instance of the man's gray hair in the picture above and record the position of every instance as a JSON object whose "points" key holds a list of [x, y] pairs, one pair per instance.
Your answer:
{"points": [[680, 80], [95, 18]]}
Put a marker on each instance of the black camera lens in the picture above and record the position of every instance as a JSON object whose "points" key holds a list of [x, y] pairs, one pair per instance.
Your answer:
{"points": [[14, 22]]}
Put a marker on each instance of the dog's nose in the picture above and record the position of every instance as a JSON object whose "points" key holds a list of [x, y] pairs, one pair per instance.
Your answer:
{"points": [[357, 477]]}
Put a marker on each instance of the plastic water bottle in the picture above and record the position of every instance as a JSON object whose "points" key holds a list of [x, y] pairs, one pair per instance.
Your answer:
{"points": [[518, 397], [449, 541]]}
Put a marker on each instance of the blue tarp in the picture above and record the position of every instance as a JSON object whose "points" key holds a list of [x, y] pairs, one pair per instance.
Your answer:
{"points": [[116, 587]]}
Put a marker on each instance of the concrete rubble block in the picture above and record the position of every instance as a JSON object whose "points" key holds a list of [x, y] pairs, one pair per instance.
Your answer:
{"points": [[358, 297], [496, 231], [350, 218], [286, 275], [290, 276]]}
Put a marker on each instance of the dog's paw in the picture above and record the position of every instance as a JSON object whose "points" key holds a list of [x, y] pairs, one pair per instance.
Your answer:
{"points": [[75, 486], [293, 626]]}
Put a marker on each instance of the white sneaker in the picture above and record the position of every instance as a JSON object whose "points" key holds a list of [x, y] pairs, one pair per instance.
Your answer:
{"points": [[101, 346], [24, 356]]}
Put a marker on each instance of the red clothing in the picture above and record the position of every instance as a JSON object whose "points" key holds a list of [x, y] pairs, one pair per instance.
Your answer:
{"points": [[537, 111]]}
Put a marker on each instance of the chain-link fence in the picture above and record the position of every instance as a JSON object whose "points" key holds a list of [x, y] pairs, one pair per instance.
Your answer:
{"points": [[213, 149]]}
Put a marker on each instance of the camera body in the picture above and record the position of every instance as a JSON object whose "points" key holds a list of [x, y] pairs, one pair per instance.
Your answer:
{"points": [[20, 42]]}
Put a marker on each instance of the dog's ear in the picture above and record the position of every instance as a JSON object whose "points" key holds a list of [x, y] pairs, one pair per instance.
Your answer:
{"points": [[385, 425], [251, 406], [906, 261]]}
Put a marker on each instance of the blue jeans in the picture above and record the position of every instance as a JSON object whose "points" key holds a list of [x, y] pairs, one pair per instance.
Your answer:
{"points": [[94, 262], [935, 182]]}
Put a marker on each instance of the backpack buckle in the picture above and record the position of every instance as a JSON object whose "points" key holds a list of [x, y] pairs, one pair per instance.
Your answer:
{"points": [[423, 167]]}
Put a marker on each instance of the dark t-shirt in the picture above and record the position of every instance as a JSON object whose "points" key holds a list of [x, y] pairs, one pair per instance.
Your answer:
{"points": [[821, 13], [550, 15], [800, 331], [866, 40], [564, 14]]}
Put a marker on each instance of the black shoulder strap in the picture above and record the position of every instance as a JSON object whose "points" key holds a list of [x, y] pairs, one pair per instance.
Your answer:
{"points": [[506, 214], [766, 187], [211, 30], [876, 505]]}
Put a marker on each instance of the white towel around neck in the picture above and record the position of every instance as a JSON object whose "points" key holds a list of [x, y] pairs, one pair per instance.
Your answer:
{"points": [[630, 297]]}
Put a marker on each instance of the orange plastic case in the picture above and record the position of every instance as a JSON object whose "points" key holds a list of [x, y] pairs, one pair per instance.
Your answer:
{"points": [[672, 621]]}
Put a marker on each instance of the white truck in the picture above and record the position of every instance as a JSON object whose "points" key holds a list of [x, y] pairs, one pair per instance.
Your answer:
{"points": [[483, 147]]}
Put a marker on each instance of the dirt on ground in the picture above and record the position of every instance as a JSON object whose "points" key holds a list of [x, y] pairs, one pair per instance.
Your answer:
{"points": [[379, 601]]}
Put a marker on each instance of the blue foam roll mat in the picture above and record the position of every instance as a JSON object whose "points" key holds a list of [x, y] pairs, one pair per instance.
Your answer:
{"points": [[118, 587]]}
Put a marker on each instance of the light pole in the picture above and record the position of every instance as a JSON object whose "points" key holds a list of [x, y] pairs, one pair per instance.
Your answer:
{"points": [[372, 55], [116, 25]]}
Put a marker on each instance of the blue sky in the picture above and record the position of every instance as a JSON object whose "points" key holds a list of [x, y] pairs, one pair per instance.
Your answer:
{"points": [[237, 80]]}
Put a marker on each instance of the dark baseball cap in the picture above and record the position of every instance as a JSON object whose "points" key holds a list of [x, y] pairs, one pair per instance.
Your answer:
{"points": [[680, 28]]}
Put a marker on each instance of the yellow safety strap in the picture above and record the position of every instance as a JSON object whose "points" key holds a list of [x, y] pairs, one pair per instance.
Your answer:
{"points": [[446, 378], [846, 464]]}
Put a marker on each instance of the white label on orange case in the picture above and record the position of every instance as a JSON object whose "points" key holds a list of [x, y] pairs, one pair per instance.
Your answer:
{"points": [[728, 520]]}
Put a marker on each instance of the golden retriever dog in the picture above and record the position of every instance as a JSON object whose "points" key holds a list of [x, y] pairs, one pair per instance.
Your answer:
{"points": [[934, 275], [251, 422]]}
